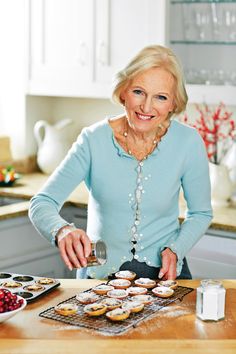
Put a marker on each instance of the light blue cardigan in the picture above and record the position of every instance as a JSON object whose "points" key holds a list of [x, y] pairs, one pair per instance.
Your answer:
{"points": [[180, 160]]}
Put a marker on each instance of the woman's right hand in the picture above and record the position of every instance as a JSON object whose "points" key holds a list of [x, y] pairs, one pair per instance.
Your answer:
{"points": [[74, 246]]}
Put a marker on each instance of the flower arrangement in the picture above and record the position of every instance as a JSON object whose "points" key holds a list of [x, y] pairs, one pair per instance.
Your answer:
{"points": [[8, 176], [217, 129]]}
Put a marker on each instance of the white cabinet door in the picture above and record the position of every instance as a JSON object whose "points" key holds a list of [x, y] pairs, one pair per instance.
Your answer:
{"points": [[61, 46], [24, 251], [214, 256], [123, 27], [77, 46]]}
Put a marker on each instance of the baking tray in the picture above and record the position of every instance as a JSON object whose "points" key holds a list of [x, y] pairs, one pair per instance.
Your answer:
{"points": [[102, 324], [27, 280]]}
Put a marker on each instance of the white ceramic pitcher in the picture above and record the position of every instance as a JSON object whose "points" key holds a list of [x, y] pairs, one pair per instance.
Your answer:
{"points": [[53, 143], [221, 185]]}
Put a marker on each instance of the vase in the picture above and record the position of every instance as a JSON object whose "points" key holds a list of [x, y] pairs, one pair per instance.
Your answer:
{"points": [[52, 144], [221, 185], [230, 161]]}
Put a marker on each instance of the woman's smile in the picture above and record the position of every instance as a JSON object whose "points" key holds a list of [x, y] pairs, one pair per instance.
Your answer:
{"points": [[144, 117], [149, 99]]}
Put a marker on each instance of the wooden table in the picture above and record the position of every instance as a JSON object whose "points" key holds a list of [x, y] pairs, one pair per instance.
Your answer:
{"points": [[174, 329]]}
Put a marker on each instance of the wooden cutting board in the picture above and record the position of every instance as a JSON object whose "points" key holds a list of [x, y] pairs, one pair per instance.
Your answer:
{"points": [[5, 149]]}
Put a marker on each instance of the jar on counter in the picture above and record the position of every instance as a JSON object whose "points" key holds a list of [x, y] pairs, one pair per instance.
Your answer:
{"points": [[210, 300]]}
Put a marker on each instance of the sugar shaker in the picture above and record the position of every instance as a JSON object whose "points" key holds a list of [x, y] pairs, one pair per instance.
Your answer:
{"points": [[210, 300]]}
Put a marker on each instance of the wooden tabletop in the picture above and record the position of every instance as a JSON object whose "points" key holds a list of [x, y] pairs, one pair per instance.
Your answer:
{"points": [[174, 329]]}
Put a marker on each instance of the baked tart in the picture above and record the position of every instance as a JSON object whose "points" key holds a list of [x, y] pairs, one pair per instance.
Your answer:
{"points": [[11, 284], [66, 309], [87, 298], [163, 291], [145, 283], [118, 293], [34, 287], [125, 274], [111, 303], [102, 289], [136, 290], [118, 314], [146, 299], [133, 306], [95, 309], [120, 283], [46, 281], [172, 284]]}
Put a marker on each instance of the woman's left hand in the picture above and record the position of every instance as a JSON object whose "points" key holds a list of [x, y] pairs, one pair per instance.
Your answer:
{"points": [[168, 269]]}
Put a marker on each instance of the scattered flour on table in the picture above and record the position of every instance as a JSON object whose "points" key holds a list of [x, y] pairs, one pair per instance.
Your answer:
{"points": [[173, 311], [160, 318], [149, 324]]}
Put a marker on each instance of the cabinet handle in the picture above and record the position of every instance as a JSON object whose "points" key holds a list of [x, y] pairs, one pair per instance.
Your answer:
{"points": [[83, 54], [102, 53]]}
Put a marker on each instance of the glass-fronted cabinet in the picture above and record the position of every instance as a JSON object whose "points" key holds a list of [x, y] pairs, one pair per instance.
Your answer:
{"points": [[203, 35]]}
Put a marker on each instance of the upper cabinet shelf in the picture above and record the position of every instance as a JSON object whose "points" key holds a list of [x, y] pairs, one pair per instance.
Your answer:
{"points": [[193, 42], [204, 37], [190, 2]]}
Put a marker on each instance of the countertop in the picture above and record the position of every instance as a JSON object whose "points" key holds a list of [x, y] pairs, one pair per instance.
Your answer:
{"points": [[224, 217], [174, 329]]}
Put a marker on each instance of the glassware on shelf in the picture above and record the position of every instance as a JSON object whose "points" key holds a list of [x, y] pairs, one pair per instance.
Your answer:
{"points": [[216, 21], [189, 30], [229, 22], [209, 21], [203, 24], [203, 33], [210, 77]]}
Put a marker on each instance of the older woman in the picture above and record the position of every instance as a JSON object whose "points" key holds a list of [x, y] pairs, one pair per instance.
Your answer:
{"points": [[134, 166]]}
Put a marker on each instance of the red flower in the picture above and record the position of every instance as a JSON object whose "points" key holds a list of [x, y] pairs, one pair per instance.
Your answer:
{"points": [[216, 128]]}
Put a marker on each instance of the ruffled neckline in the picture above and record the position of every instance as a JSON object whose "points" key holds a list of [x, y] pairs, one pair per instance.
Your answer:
{"points": [[122, 152]]}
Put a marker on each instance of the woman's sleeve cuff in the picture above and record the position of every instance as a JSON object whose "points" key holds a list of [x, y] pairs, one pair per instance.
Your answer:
{"points": [[55, 231]]}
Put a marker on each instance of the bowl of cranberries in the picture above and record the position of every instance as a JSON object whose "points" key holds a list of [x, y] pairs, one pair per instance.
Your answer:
{"points": [[10, 304]]}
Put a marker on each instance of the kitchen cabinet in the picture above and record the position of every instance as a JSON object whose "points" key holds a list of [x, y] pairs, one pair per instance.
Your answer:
{"points": [[60, 45], [203, 35], [24, 251], [75, 215], [76, 46], [214, 255]]}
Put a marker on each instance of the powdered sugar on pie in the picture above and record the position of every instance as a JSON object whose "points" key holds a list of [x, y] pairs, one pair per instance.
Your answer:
{"points": [[87, 297], [145, 282], [120, 283], [118, 293]]}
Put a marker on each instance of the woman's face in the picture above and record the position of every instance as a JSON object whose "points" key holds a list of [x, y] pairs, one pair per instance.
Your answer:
{"points": [[148, 99]]}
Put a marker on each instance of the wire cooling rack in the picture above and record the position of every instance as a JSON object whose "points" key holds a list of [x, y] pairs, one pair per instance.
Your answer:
{"points": [[103, 324]]}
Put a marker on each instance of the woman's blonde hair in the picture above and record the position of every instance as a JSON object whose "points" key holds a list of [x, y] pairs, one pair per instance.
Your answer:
{"points": [[154, 56]]}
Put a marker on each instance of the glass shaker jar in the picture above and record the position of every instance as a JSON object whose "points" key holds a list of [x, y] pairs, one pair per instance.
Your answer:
{"points": [[210, 300], [98, 255]]}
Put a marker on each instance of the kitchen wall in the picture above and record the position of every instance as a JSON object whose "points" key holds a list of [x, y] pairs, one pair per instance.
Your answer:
{"points": [[13, 66], [83, 112]]}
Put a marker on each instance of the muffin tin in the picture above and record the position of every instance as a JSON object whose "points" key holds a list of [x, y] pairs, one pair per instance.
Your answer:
{"points": [[30, 287]]}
